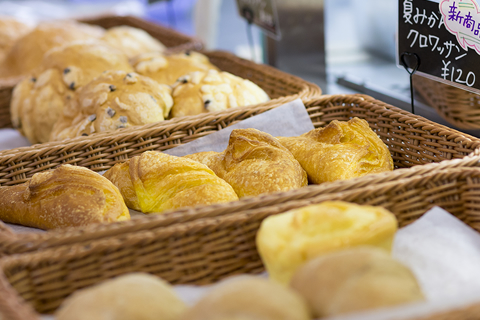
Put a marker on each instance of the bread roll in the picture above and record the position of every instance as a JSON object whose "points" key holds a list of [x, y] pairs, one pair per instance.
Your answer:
{"points": [[341, 150], [155, 182], [254, 163], [65, 197], [132, 296], [168, 68], [132, 41], [114, 100], [249, 298], [288, 240], [353, 280], [38, 101], [199, 92], [27, 52], [10, 31]]}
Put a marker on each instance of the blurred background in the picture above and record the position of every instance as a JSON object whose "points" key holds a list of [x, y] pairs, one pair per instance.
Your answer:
{"points": [[344, 46]]}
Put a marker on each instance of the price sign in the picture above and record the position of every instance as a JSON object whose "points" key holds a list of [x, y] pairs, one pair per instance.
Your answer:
{"points": [[445, 36], [262, 13]]}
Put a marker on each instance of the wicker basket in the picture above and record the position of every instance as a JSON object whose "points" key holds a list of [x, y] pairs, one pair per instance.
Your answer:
{"points": [[280, 86], [459, 107], [206, 250], [173, 40], [411, 140]]}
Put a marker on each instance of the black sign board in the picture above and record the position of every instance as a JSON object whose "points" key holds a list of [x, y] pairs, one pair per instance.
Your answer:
{"points": [[422, 32], [262, 13]]}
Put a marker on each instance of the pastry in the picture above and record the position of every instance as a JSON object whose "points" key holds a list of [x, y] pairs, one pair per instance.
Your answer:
{"points": [[132, 41], [132, 296], [341, 150], [116, 99], [168, 68], [37, 103], [254, 163], [27, 52], [288, 240], [10, 31], [155, 182], [199, 92], [38, 100], [249, 298], [68, 196], [354, 280]]}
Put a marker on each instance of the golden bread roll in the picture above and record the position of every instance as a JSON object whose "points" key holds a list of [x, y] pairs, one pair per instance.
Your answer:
{"points": [[168, 68], [132, 296], [38, 101], [341, 150], [199, 92], [249, 298], [155, 182], [68, 196], [27, 52], [114, 100], [10, 31], [82, 61], [132, 41], [288, 240], [353, 280], [254, 163]]}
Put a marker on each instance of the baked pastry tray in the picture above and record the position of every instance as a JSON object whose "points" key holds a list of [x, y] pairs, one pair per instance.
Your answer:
{"points": [[173, 40], [208, 249], [412, 141]]}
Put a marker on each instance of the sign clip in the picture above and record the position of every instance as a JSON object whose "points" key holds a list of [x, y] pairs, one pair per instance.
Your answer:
{"points": [[411, 62]]}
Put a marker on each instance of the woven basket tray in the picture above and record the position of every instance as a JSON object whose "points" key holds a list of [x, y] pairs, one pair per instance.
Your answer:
{"points": [[173, 40], [206, 250], [459, 107], [280, 86], [411, 140]]}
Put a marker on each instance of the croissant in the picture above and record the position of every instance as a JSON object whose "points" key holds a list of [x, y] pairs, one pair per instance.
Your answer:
{"points": [[64, 197], [341, 150], [254, 163], [155, 182]]}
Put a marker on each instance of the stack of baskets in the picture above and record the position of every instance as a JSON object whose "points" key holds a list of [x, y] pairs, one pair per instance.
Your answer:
{"points": [[204, 244]]}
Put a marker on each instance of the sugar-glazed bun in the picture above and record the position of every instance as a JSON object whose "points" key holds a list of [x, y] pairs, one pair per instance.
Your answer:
{"points": [[199, 92], [116, 99], [38, 100], [168, 68]]}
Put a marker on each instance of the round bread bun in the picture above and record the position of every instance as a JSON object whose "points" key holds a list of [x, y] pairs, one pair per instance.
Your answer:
{"points": [[199, 92], [355, 279], [287, 240], [132, 41], [132, 296], [10, 31], [38, 101], [114, 100], [249, 298], [28, 51], [168, 68]]}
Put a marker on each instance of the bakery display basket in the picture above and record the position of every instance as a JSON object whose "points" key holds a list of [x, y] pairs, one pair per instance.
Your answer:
{"points": [[459, 107], [173, 40], [413, 142], [280, 86], [211, 248]]}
